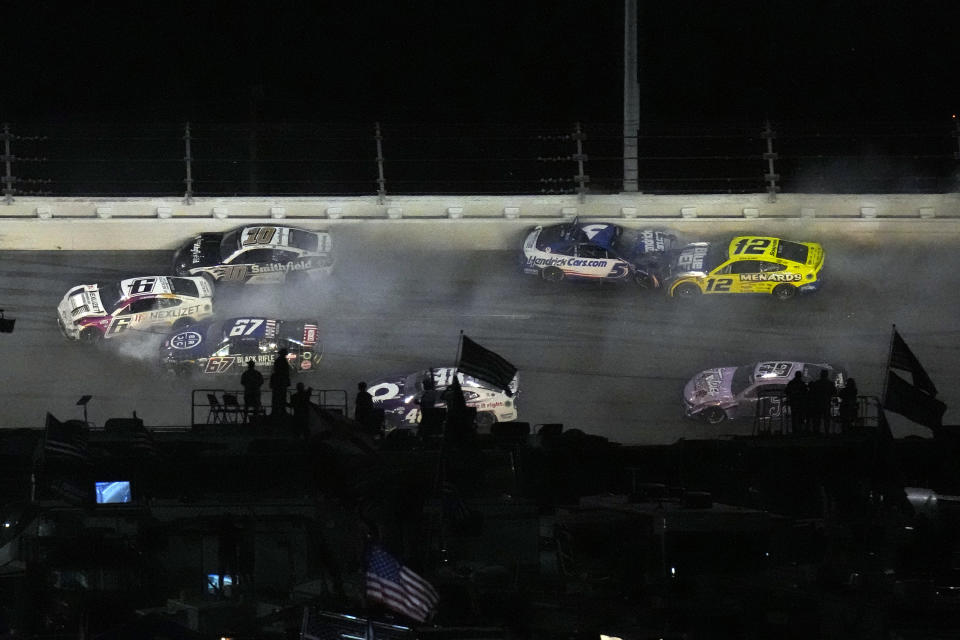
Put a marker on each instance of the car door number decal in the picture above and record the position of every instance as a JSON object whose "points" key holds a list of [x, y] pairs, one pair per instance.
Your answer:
{"points": [[218, 364], [235, 272], [719, 285], [751, 247], [119, 325]]}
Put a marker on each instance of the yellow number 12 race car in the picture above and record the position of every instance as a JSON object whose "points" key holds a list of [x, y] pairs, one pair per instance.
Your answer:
{"points": [[748, 264]]}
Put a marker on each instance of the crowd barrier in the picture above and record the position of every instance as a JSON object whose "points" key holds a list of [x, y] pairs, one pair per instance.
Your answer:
{"points": [[474, 222]]}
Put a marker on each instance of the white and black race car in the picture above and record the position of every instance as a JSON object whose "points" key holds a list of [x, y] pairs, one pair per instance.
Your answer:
{"points": [[399, 397], [256, 255], [91, 312], [597, 252]]}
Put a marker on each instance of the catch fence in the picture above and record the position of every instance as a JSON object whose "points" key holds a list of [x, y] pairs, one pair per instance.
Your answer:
{"points": [[307, 159]]}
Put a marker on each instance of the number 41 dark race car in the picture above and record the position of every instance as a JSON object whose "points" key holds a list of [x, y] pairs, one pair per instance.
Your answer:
{"points": [[213, 348]]}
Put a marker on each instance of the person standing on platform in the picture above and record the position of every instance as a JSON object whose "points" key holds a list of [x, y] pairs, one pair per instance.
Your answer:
{"points": [[279, 382]]}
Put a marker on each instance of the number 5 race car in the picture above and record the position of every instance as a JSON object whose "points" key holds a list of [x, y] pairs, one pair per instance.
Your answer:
{"points": [[596, 251], [90, 312], [225, 347], [255, 255], [749, 264]]}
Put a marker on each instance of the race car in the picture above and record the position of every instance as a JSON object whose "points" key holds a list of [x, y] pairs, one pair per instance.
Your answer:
{"points": [[90, 312], [255, 255], [399, 397], [597, 251], [748, 264], [731, 393], [215, 347]]}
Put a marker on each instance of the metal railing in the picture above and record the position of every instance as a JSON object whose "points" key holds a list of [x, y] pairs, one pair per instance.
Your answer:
{"points": [[209, 406], [213, 159]]}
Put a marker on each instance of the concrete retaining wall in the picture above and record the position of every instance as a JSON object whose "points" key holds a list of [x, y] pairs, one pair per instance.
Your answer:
{"points": [[476, 222]]}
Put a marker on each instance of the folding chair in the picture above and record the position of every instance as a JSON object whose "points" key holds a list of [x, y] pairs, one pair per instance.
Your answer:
{"points": [[231, 408], [217, 414]]}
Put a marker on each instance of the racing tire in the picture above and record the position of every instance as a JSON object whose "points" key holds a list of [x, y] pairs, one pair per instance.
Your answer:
{"points": [[484, 421], [686, 290], [644, 280], [552, 274], [90, 336], [784, 292], [210, 280], [714, 415]]}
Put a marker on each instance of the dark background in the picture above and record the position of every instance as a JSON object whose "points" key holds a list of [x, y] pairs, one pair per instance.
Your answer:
{"points": [[490, 61]]}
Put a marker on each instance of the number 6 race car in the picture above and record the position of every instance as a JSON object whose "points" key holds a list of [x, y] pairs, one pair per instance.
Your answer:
{"points": [[596, 251], [255, 255], [225, 347], [90, 312], [749, 264]]}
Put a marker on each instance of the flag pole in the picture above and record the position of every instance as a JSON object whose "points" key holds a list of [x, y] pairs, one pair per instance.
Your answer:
{"points": [[456, 367], [886, 373]]}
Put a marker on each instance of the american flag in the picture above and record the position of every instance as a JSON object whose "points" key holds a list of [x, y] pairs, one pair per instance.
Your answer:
{"points": [[65, 439], [397, 587]]}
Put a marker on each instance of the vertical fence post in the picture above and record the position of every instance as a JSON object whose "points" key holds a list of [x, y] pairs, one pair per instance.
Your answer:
{"points": [[580, 157], [8, 165], [770, 156], [188, 162], [381, 182]]}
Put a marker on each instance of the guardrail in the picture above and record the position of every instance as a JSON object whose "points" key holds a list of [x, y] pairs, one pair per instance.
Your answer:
{"points": [[465, 222]]}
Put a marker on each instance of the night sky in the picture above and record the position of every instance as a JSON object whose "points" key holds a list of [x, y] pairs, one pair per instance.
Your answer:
{"points": [[484, 61]]}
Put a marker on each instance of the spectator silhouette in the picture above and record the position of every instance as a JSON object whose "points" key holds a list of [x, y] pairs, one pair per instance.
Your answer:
{"points": [[822, 391], [252, 380], [279, 381], [428, 399], [848, 405], [300, 401], [363, 405], [796, 393]]}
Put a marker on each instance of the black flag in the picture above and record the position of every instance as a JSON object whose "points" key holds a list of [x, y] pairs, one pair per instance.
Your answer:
{"points": [[485, 365], [912, 402], [902, 358]]}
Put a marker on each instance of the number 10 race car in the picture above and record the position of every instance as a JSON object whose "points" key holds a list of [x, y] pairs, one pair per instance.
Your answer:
{"points": [[90, 312], [255, 255], [212, 348]]}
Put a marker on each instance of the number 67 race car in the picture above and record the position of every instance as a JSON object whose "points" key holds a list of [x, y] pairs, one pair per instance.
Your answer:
{"points": [[213, 348], [748, 264], [597, 251], [91, 312], [255, 255]]}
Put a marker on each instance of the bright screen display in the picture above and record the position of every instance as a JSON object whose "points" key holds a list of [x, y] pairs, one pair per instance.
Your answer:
{"points": [[115, 492]]}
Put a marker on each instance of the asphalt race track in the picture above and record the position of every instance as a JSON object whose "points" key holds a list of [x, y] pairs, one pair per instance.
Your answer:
{"points": [[606, 359]]}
